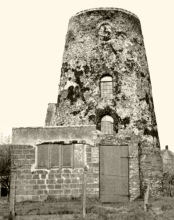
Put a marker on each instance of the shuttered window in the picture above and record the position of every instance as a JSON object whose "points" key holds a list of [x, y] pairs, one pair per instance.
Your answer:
{"points": [[78, 151], [43, 156], [54, 155], [66, 155]]}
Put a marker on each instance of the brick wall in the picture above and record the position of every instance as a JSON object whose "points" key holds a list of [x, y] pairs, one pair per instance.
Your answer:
{"points": [[39, 184]]}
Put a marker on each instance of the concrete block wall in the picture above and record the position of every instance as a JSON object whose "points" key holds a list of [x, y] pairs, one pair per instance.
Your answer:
{"points": [[40, 184]]}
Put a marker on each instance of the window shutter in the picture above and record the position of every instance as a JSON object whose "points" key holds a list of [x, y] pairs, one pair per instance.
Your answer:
{"points": [[43, 156], [66, 155], [55, 155], [79, 155]]}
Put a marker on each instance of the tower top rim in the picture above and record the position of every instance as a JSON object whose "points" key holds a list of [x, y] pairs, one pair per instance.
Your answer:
{"points": [[106, 9]]}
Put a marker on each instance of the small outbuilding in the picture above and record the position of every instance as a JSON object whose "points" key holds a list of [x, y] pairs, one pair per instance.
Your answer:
{"points": [[168, 160]]}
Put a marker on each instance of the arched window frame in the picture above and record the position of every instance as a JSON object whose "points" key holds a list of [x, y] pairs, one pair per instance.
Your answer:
{"points": [[106, 86], [107, 124]]}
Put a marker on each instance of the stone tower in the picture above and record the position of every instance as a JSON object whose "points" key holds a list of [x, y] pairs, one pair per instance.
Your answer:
{"points": [[105, 82]]}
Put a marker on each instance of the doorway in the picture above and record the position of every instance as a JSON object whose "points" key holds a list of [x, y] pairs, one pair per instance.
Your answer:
{"points": [[114, 173]]}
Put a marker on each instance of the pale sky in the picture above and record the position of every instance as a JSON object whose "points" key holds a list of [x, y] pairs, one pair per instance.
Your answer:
{"points": [[32, 39]]}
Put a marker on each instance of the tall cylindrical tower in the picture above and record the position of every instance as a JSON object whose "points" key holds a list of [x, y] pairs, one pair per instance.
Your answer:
{"points": [[105, 80]]}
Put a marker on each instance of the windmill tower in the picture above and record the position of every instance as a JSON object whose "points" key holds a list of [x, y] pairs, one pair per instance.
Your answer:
{"points": [[105, 82]]}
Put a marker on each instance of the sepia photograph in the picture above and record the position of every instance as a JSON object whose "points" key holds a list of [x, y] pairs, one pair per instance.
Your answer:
{"points": [[86, 117]]}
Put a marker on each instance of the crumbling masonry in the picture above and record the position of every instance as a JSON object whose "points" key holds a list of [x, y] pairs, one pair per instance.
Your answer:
{"points": [[104, 111]]}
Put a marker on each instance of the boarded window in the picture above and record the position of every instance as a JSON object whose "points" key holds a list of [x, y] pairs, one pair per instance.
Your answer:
{"points": [[79, 155], [106, 87], [55, 155], [107, 125], [66, 155], [43, 156]]}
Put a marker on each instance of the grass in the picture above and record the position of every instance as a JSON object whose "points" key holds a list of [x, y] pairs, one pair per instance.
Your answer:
{"points": [[160, 208]]}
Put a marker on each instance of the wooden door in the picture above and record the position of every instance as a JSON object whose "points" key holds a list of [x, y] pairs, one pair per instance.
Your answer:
{"points": [[114, 174]]}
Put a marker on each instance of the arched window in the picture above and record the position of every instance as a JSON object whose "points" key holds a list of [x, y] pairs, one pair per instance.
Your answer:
{"points": [[106, 87], [107, 124]]}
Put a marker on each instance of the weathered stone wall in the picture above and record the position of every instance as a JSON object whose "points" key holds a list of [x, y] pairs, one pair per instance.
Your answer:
{"points": [[99, 42], [39, 184]]}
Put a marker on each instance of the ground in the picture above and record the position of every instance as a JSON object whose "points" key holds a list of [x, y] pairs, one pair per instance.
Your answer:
{"points": [[160, 208]]}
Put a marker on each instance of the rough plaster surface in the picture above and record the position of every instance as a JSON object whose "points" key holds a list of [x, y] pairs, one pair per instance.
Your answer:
{"points": [[36, 135]]}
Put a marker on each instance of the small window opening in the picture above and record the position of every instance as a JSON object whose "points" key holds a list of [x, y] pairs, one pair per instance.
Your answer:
{"points": [[54, 155], [107, 124], [106, 87]]}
